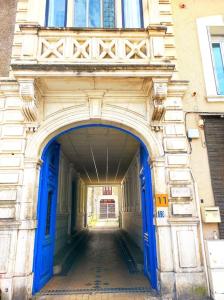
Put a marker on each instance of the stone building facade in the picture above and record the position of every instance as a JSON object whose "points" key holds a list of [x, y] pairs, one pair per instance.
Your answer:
{"points": [[155, 82]]}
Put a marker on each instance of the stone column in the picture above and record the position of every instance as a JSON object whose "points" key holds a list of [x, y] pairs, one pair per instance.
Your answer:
{"points": [[27, 211], [163, 230]]}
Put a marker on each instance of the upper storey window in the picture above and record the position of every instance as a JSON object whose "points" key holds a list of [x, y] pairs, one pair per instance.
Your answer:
{"points": [[218, 61], [211, 41], [56, 13], [94, 13], [132, 13]]}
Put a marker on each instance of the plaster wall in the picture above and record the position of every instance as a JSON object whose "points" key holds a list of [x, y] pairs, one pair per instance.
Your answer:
{"points": [[190, 67], [7, 17], [67, 175], [63, 204], [131, 213], [81, 205]]}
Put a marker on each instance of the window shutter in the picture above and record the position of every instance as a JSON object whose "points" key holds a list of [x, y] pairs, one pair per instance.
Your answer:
{"points": [[214, 134]]}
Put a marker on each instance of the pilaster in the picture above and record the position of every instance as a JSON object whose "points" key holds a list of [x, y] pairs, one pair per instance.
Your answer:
{"points": [[177, 232]]}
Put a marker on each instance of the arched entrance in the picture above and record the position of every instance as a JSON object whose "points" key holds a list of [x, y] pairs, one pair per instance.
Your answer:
{"points": [[47, 206]]}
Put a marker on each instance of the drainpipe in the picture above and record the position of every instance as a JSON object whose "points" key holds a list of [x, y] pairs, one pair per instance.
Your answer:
{"points": [[197, 199]]}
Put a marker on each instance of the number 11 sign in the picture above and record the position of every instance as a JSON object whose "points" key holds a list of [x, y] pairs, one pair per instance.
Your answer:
{"points": [[161, 207]]}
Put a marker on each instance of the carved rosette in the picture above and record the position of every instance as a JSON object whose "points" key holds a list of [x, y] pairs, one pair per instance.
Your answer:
{"points": [[29, 101], [159, 95]]}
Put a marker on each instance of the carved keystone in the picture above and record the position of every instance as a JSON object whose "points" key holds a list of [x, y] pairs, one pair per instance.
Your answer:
{"points": [[29, 100], [95, 103], [159, 95]]}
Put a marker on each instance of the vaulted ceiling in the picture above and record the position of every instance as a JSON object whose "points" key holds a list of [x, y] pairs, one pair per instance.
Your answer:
{"points": [[101, 155]]}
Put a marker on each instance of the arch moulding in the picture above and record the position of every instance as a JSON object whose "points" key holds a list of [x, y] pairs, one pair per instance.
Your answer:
{"points": [[71, 118]]}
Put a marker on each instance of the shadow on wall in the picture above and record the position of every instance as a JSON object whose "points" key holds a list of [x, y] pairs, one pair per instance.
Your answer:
{"points": [[7, 17]]}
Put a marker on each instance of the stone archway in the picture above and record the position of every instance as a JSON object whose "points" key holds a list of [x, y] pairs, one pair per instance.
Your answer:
{"points": [[52, 129]]}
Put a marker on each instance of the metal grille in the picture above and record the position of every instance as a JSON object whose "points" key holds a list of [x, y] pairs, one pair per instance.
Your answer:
{"points": [[98, 290]]}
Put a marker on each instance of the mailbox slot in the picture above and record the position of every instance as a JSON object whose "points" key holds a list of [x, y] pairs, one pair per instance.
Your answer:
{"points": [[210, 214]]}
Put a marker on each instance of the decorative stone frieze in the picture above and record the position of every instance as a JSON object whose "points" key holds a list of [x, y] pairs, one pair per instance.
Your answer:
{"points": [[29, 100], [159, 95]]}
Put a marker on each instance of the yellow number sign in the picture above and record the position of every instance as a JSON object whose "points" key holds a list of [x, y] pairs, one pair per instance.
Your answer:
{"points": [[161, 200]]}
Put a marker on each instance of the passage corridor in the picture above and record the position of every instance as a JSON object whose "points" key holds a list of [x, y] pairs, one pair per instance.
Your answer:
{"points": [[100, 267]]}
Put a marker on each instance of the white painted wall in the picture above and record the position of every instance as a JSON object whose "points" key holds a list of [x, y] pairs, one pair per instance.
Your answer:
{"points": [[131, 202], [66, 176]]}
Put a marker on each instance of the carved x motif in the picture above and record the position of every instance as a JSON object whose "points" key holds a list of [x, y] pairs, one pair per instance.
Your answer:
{"points": [[81, 50], [52, 48], [107, 49], [135, 49]]}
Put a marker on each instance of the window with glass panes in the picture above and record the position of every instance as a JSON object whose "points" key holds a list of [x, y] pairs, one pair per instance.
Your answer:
{"points": [[218, 63], [94, 13]]}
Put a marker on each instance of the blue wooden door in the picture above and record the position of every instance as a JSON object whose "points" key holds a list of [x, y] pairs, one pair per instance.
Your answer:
{"points": [[149, 240], [46, 218]]}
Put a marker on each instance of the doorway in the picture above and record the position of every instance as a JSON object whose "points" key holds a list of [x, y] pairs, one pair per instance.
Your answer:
{"points": [[107, 209], [100, 155]]}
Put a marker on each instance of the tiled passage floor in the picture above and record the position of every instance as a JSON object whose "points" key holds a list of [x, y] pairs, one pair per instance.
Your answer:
{"points": [[98, 272]]}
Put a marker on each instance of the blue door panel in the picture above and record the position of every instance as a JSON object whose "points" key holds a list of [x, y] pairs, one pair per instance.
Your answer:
{"points": [[46, 216], [149, 240]]}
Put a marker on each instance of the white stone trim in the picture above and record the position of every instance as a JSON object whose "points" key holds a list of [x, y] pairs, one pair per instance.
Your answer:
{"points": [[206, 54]]}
